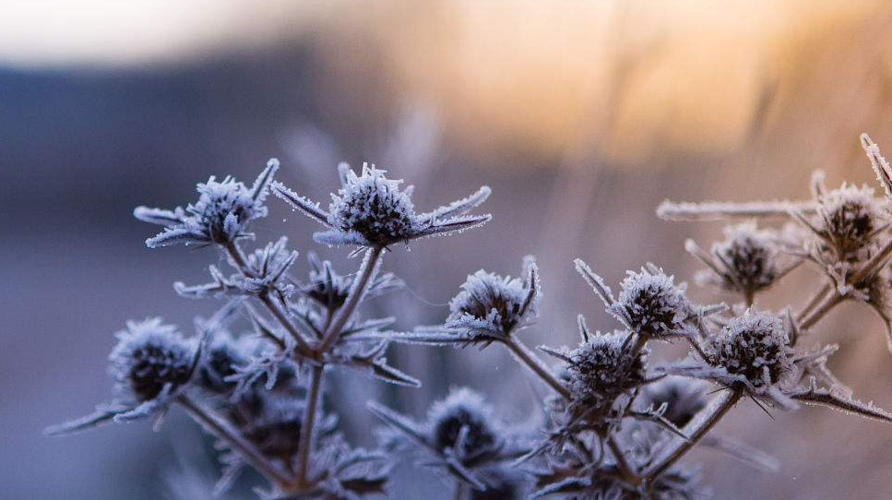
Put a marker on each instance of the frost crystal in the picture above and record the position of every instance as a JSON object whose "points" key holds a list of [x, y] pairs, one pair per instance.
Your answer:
{"points": [[652, 305], [149, 356], [753, 346], [221, 215], [495, 305], [371, 210], [847, 218]]}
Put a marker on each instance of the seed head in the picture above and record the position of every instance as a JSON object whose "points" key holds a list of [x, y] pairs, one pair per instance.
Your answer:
{"points": [[684, 398], [651, 304], [496, 304], [754, 346], [604, 367], [746, 260], [149, 356], [847, 218], [221, 359], [463, 408]]}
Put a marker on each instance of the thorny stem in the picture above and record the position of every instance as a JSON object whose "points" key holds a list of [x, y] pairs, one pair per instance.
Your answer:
{"points": [[366, 272], [308, 425], [235, 253], [525, 356], [702, 427], [224, 431]]}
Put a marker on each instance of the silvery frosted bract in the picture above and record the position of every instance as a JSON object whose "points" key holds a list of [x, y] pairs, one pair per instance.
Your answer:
{"points": [[221, 215], [370, 210]]}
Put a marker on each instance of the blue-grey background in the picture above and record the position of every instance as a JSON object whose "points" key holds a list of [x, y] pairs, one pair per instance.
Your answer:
{"points": [[581, 117]]}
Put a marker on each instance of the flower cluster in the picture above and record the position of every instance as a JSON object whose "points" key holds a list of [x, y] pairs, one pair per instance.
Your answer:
{"points": [[615, 426]]}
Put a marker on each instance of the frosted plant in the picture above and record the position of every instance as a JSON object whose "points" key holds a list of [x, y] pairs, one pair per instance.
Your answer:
{"points": [[371, 210], [221, 214], [460, 437], [748, 261], [616, 425]]}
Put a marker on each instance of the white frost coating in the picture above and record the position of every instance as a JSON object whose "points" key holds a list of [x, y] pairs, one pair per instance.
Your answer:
{"points": [[878, 162], [651, 304], [221, 215], [494, 305], [373, 211]]}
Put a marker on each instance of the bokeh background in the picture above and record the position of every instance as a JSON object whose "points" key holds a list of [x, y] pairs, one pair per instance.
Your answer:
{"points": [[581, 115]]}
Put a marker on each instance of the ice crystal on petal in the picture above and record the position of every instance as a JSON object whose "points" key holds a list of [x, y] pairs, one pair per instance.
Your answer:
{"points": [[371, 210], [496, 305], [221, 215]]}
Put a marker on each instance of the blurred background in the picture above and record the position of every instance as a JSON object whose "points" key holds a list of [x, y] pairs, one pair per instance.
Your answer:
{"points": [[582, 116]]}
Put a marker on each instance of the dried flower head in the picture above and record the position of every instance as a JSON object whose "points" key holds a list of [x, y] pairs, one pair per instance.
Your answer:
{"points": [[747, 261], [329, 289], [652, 305], [371, 210], [149, 357], [679, 483], [494, 306], [222, 358], [754, 346], [463, 423], [221, 215], [604, 367]]}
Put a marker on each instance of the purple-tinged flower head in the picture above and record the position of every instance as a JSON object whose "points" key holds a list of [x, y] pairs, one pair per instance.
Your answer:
{"points": [[463, 423], [603, 367], [754, 346], [494, 306], [683, 398], [371, 210], [151, 357], [221, 215], [746, 261], [652, 305]]}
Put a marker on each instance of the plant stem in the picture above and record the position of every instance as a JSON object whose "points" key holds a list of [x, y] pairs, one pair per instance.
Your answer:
{"points": [[628, 472], [821, 310], [223, 430], [459, 491], [235, 253], [701, 427], [366, 272], [308, 425], [528, 358]]}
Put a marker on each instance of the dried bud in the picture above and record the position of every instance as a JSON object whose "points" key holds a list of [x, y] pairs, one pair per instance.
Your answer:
{"points": [[220, 360], [684, 398], [747, 261], [149, 356], [754, 346], [847, 218]]}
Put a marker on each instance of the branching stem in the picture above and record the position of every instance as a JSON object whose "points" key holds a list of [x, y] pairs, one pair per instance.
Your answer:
{"points": [[308, 425], [528, 358], [366, 272]]}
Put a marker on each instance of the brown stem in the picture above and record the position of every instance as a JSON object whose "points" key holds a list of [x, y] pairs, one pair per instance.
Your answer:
{"points": [[701, 427], [308, 425], [223, 430], [366, 272], [525, 356], [821, 310]]}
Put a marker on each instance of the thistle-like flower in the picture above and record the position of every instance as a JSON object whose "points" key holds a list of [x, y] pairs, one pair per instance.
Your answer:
{"points": [[151, 363], [603, 367], [371, 210], [650, 304], [461, 434], [329, 289], [221, 215], [683, 399], [491, 307], [677, 484], [746, 262]]}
